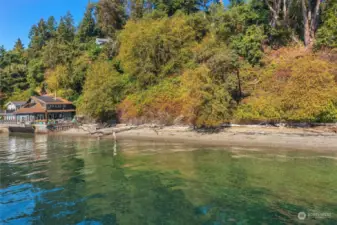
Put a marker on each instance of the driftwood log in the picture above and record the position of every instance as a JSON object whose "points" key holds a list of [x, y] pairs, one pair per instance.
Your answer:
{"points": [[114, 131]]}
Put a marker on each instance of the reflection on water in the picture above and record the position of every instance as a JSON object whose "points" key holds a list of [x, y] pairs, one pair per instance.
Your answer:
{"points": [[61, 180]]}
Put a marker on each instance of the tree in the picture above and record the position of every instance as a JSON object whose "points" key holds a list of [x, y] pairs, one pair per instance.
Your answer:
{"points": [[111, 16], [137, 9], [152, 49], [59, 81], [35, 73], [279, 10], [33, 35], [66, 28], [38, 36], [14, 75], [172, 6], [233, 22], [223, 64], [249, 44], [3, 52], [242, 28], [42, 32], [103, 89], [310, 9], [87, 28], [51, 27], [52, 54], [18, 47], [206, 101], [327, 33], [310, 13], [57, 78]]}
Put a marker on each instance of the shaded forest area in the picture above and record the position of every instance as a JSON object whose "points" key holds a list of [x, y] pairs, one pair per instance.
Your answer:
{"points": [[184, 61]]}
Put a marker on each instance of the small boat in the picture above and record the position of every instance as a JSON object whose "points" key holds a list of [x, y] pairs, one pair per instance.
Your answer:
{"points": [[21, 129]]}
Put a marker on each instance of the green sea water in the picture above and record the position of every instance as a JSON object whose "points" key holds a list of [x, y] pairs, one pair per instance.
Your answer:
{"points": [[66, 180]]}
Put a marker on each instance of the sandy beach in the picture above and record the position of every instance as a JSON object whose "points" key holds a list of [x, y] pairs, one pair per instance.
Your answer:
{"points": [[320, 139]]}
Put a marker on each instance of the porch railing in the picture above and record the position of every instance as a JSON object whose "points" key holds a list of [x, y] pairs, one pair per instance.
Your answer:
{"points": [[8, 122]]}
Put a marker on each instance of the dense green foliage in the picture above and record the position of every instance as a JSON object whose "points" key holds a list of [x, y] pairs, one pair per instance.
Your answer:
{"points": [[327, 33], [103, 90], [196, 62]]}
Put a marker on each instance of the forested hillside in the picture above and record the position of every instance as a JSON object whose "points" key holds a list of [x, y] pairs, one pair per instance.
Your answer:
{"points": [[188, 61]]}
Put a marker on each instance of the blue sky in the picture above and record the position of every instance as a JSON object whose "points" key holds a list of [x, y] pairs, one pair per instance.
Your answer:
{"points": [[17, 16]]}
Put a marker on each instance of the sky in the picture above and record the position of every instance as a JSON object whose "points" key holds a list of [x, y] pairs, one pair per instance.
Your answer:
{"points": [[18, 16]]}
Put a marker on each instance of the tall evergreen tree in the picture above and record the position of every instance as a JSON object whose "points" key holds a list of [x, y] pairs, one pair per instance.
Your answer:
{"points": [[42, 32], [87, 28], [18, 47], [34, 43], [38, 36], [171, 6], [66, 29], [3, 62], [33, 35], [51, 27]]}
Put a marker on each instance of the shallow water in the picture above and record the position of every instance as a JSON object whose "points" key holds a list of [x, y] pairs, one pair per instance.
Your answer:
{"points": [[65, 180]]}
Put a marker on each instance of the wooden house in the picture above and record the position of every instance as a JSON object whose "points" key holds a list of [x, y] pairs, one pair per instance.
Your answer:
{"points": [[45, 107]]}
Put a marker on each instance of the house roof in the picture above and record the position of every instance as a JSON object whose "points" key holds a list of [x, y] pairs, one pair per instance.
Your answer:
{"points": [[16, 103], [48, 99], [37, 108], [100, 41], [40, 105]]}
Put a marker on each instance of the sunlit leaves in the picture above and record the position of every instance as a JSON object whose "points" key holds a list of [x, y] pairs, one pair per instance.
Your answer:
{"points": [[153, 49], [206, 100], [103, 89], [302, 89]]}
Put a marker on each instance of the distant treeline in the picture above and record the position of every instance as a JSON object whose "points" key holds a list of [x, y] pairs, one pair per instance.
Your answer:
{"points": [[184, 61]]}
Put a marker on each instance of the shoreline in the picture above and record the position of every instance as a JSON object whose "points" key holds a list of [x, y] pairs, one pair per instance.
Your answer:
{"points": [[245, 136]]}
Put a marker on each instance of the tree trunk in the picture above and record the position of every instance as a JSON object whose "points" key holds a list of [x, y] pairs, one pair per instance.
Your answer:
{"points": [[274, 9], [306, 27], [310, 21], [314, 21], [239, 84], [285, 12], [286, 5]]}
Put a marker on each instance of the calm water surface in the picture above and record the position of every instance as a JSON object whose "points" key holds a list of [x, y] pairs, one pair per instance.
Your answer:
{"points": [[64, 180]]}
